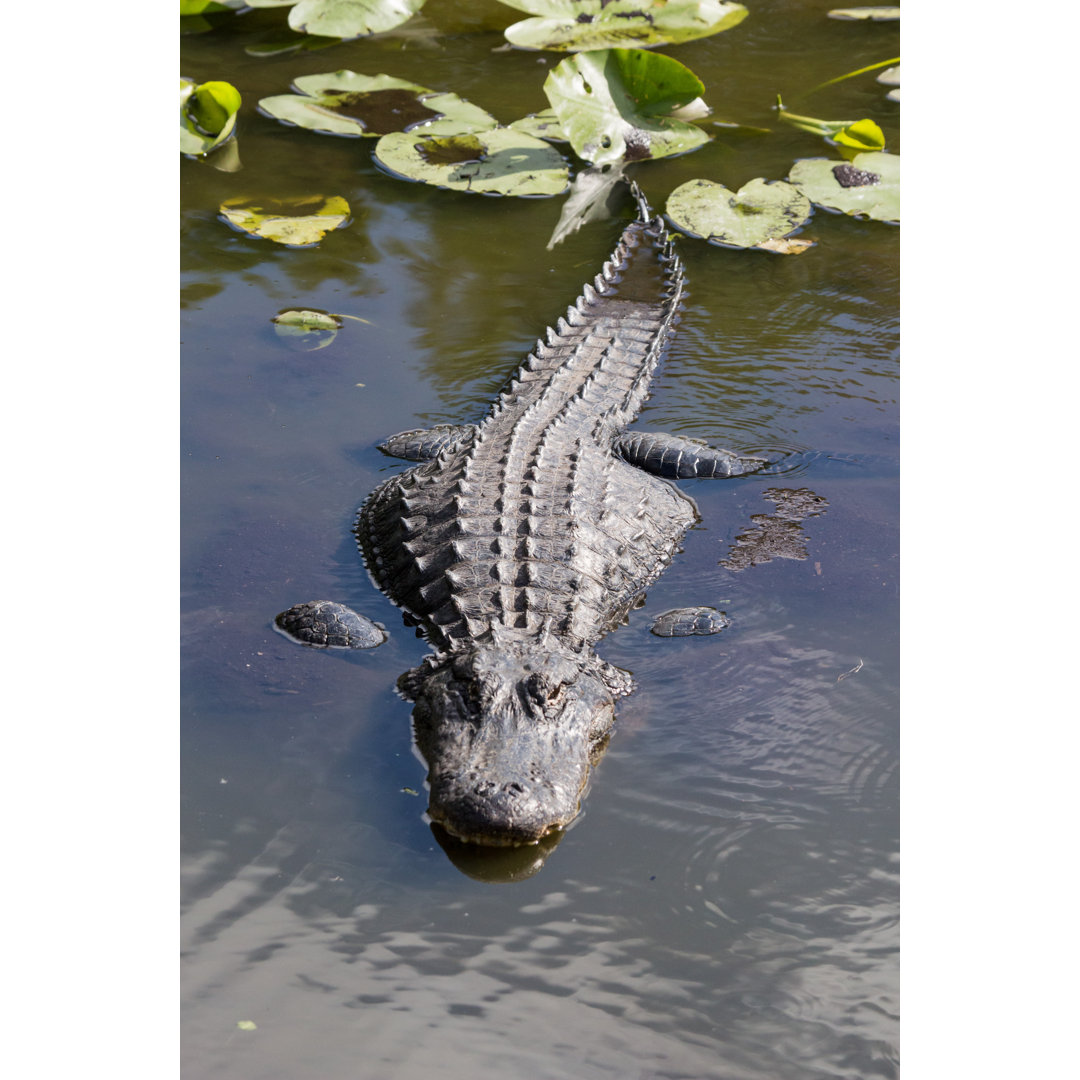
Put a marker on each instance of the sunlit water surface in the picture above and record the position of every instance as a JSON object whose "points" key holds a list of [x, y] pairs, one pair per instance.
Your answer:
{"points": [[726, 907]]}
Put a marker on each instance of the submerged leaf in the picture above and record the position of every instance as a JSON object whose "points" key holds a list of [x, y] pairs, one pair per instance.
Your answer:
{"points": [[299, 222], [868, 186], [501, 161], [351, 18], [582, 25], [760, 212], [609, 104], [347, 103], [589, 200]]}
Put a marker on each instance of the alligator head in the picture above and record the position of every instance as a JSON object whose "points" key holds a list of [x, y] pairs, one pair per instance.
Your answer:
{"points": [[510, 729]]}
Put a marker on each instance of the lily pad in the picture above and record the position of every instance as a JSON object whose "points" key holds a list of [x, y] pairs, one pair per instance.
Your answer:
{"points": [[867, 186], [759, 212], [501, 161], [582, 25], [351, 18], [301, 222], [346, 103], [611, 105], [871, 14], [207, 115], [891, 77]]}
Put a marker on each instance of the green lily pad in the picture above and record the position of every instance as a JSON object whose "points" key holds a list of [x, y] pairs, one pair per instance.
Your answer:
{"points": [[207, 115], [351, 18], [872, 14], [500, 161], [759, 212], [611, 105], [582, 25], [346, 103], [301, 222], [867, 186]]}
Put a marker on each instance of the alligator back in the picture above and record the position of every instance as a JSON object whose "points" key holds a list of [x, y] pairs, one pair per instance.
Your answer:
{"points": [[531, 521]]}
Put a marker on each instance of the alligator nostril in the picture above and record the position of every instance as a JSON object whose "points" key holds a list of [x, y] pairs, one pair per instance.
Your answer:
{"points": [[514, 788]]}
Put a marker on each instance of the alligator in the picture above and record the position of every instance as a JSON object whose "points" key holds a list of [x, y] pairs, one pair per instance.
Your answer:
{"points": [[517, 543]]}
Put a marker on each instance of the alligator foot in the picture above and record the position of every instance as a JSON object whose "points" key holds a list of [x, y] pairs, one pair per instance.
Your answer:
{"points": [[677, 458], [426, 444], [324, 624]]}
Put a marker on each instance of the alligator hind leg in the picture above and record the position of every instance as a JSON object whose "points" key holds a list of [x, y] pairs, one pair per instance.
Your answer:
{"points": [[677, 458], [425, 444]]}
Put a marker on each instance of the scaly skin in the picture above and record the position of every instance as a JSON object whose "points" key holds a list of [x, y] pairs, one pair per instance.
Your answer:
{"points": [[520, 542]]}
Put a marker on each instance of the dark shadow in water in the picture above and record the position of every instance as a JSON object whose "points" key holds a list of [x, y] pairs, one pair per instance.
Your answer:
{"points": [[777, 535], [497, 865]]}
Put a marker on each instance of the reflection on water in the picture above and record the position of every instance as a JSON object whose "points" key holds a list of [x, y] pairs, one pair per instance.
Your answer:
{"points": [[726, 908]]}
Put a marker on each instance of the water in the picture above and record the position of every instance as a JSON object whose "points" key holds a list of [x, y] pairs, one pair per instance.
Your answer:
{"points": [[726, 907]]}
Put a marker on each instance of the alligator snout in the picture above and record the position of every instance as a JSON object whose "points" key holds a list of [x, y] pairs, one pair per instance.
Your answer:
{"points": [[510, 736]]}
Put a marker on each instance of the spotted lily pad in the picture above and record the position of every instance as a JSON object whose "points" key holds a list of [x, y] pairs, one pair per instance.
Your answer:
{"points": [[867, 186], [299, 222], [351, 18], [612, 105], [346, 103], [757, 215], [500, 161], [207, 115], [581, 25], [870, 14]]}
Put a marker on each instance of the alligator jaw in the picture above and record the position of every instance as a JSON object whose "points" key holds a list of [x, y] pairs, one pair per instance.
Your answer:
{"points": [[510, 736]]}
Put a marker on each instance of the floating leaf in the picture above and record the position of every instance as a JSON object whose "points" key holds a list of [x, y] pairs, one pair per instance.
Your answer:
{"points": [[207, 115], [351, 18], [345, 103], [891, 78], [306, 329], [611, 103], [247, 1025], [300, 222], [581, 25], [759, 212], [868, 186], [501, 161], [873, 14]]}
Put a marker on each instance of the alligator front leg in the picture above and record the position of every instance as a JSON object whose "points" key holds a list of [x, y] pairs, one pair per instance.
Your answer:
{"points": [[677, 458], [425, 444]]}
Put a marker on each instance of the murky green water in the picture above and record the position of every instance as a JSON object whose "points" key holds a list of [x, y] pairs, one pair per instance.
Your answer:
{"points": [[726, 907]]}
